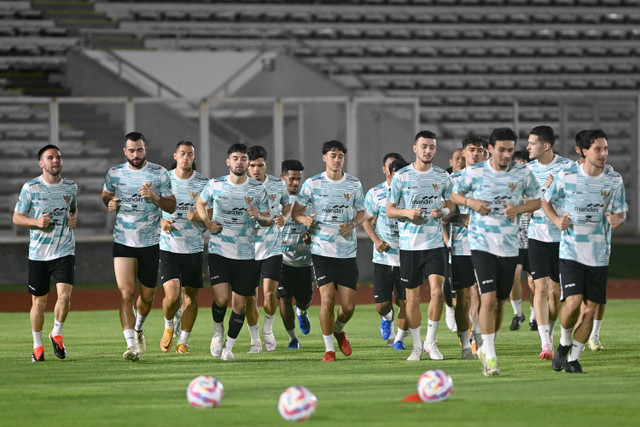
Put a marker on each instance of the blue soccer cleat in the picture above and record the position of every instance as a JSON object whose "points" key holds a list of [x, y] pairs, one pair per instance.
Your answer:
{"points": [[385, 329], [303, 320], [399, 345], [294, 344]]}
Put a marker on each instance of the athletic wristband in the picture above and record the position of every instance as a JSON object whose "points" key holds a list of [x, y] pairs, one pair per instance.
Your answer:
{"points": [[446, 211]]}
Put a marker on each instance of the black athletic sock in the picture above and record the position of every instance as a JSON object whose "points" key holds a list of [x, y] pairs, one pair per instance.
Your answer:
{"points": [[218, 312], [235, 324]]}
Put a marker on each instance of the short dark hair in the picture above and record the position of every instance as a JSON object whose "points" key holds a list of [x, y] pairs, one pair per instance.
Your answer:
{"points": [[391, 155], [502, 134], [134, 136], [187, 143], [474, 140], [396, 165], [45, 148], [292, 165], [544, 134], [521, 155], [257, 152], [333, 144], [586, 139], [237, 148], [424, 134]]}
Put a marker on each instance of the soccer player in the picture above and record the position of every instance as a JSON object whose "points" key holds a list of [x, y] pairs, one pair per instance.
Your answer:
{"points": [[268, 250], [239, 203], [137, 191], [544, 238], [338, 205], [498, 188], [591, 200], [386, 258], [419, 198], [456, 162], [181, 248], [297, 279], [47, 205], [463, 279]]}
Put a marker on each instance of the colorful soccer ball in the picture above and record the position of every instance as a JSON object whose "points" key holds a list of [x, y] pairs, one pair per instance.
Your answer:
{"points": [[435, 385], [297, 404], [205, 392]]}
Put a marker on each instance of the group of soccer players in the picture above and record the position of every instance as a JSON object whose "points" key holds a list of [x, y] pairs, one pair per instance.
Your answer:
{"points": [[423, 222]]}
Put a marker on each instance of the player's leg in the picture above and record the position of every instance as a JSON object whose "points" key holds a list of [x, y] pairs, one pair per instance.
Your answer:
{"points": [[382, 293], [148, 263], [189, 314], [516, 299], [573, 275], [403, 324], [448, 292], [220, 278], [411, 277], [126, 269], [63, 274], [463, 280], [533, 322], [271, 272], [594, 338], [252, 318], [435, 265], [303, 293], [327, 319], [347, 295], [38, 286], [170, 304], [553, 261]]}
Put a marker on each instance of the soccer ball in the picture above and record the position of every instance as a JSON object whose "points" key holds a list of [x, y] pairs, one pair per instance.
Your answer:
{"points": [[435, 385], [297, 404], [205, 392]]}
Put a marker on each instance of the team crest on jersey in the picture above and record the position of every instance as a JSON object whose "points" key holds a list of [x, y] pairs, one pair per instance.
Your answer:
{"points": [[248, 199], [193, 194], [272, 197], [512, 185], [605, 194], [347, 196], [436, 186], [66, 198]]}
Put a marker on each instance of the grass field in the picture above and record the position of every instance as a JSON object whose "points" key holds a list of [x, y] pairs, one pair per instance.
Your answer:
{"points": [[94, 386]]}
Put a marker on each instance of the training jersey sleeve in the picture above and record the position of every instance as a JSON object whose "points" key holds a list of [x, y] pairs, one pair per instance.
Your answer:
{"points": [[459, 235], [386, 228]]}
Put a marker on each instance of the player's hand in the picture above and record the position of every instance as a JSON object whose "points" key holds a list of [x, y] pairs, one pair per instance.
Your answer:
{"points": [[464, 219], [548, 181], [381, 246], [614, 220], [215, 227], [114, 204], [436, 213], [43, 221], [479, 206], [192, 215], [147, 193], [564, 222], [306, 238], [309, 220], [279, 220], [347, 228], [72, 221], [253, 213], [509, 210], [167, 225], [414, 215]]}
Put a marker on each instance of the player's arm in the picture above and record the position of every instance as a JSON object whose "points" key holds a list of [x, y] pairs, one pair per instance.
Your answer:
{"points": [[396, 213], [167, 204], [201, 209], [616, 220], [378, 243], [282, 218], [110, 200], [562, 222], [477, 205], [24, 221], [348, 227], [299, 217]]}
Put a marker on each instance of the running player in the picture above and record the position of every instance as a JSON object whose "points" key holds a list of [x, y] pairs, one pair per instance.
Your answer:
{"points": [[338, 205], [181, 248], [137, 191], [47, 205], [419, 197], [268, 250], [544, 238], [591, 200], [297, 280], [498, 188], [238, 202], [386, 258]]}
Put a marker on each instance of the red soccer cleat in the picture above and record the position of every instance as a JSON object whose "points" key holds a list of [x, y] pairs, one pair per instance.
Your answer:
{"points": [[329, 356], [344, 343]]}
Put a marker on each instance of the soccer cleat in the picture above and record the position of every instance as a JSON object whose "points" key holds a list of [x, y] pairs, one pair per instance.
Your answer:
{"points": [[450, 318], [227, 355], [547, 352], [467, 353], [491, 367], [432, 350], [399, 345], [344, 343], [255, 348], [58, 346], [294, 344], [303, 320], [38, 354], [385, 328], [216, 341], [329, 356], [533, 325], [183, 348], [167, 340], [573, 367], [131, 354], [416, 354], [560, 358], [269, 340], [516, 322], [141, 342], [595, 344]]}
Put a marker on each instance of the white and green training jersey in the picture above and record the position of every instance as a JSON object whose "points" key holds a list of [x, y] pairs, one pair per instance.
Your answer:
{"points": [[268, 239], [295, 253], [188, 236], [230, 203], [37, 197], [540, 227], [586, 199], [459, 233], [494, 232], [386, 228], [412, 189], [137, 220], [335, 203]]}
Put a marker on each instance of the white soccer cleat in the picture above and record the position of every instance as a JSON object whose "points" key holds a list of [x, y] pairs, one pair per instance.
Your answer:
{"points": [[216, 342], [450, 318], [255, 348], [141, 342], [227, 355], [131, 354], [416, 355], [269, 340], [432, 350]]}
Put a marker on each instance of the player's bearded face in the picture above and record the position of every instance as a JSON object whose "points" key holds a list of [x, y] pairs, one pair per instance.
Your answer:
{"points": [[598, 153], [136, 153], [238, 163], [51, 162], [425, 149]]}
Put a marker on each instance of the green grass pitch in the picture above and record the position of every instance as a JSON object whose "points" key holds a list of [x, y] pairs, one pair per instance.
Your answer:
{"points": [[94, 386]]}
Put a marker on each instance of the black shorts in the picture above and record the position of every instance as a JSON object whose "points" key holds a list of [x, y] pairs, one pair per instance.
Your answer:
{"points": [[271, 268], [241, 274], [296, 282], [544, 259], [494, 273], [415, 265], [462, 275], [40, 273], [187, 268], [339, 271], [386, 278], [148, 260], [580, 279], [523, 260]]}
